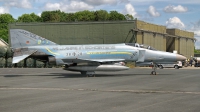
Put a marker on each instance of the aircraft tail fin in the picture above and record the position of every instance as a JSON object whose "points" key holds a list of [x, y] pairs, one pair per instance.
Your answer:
{"points": [[21, 38]]}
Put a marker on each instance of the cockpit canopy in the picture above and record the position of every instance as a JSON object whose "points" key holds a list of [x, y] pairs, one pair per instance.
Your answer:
{"points": [[141, 46]]}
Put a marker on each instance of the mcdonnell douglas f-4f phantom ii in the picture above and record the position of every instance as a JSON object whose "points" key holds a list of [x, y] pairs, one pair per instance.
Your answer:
{"points": [[85, 58]]}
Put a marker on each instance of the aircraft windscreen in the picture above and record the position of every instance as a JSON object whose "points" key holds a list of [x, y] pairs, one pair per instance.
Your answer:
{"points": [[141, 46], [147, 47], [131, 44]]}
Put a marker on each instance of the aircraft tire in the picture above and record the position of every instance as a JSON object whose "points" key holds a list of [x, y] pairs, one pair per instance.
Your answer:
{"points": [[176, 67], [88, 75], [153, 73], [160, 66], [91, 75]]}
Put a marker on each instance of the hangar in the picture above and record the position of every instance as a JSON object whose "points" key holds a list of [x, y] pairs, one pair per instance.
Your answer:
{"points": [[165, 39]]}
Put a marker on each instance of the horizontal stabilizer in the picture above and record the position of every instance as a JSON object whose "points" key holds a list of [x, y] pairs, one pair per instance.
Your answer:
{"points": [[19, 58], [21, 53]]}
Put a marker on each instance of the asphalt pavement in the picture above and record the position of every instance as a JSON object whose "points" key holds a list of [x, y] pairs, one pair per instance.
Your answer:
{"points": [[134, 90]]}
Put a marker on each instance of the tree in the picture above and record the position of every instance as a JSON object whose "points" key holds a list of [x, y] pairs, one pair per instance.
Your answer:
{"points": [[196, 51], [53, 16], [129, 17], [101, 15], [35, 17], [29, 18], [63, 17], [4, 34], [114, 15], [5, 19], [45, 16], [85, 15], [70, 17], [25, 18]]}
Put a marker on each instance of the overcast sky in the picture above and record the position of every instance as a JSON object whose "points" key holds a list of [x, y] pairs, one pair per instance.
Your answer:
{"points": [[182, 14]]}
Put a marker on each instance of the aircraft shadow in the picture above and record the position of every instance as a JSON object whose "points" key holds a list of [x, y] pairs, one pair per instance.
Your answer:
{"points": [[75, 75], [30, 75], [85, 76], [100, 75]]}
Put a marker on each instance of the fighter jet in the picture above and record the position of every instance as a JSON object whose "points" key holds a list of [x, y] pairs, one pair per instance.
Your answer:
{"points": [[85, 59]]}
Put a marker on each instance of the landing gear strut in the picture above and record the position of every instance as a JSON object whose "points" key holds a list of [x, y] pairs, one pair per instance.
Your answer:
{"points": [[153, 72]]}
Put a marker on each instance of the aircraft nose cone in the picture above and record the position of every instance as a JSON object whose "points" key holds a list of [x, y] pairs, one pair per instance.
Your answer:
{"points": [[180, 57]]}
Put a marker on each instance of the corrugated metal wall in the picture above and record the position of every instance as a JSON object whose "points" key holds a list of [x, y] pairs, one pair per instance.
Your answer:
{"points": [[81, 33], [190, 48], [184, 42], [164, 43], [150, 27], [170, 44], [139, 36], [157, 41], [176, 46], [183, 47], [151, 34], [160, 43]]}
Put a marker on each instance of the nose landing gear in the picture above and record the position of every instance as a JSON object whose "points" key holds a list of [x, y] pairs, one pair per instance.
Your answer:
{"points": [[153, 72]]}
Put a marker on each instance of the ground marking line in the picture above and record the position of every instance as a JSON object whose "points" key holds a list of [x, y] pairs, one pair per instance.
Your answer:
{"points": [[130, 91]]}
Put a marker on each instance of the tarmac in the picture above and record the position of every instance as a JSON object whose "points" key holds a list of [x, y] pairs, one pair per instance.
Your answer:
{"points": [[134, 90]]}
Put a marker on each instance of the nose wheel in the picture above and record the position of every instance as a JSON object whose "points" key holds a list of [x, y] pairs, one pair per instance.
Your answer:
{"points": [[153, 72]]}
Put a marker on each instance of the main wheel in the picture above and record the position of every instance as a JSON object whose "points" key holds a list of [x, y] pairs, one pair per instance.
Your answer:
{"points": [[90, 75], [160, 66], [176, 67]]}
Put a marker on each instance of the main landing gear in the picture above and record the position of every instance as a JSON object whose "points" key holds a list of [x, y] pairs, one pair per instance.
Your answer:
{"points": [[153, 72], [88, 74]]}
